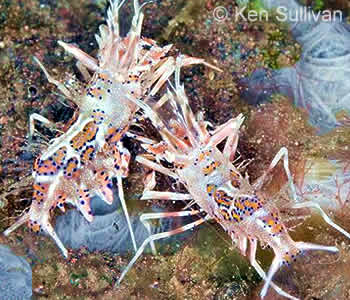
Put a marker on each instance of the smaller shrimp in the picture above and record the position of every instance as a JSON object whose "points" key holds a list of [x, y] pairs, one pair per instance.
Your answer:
{"points": [[217, 187]]}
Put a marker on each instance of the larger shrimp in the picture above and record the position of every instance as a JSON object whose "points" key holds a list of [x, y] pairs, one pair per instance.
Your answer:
{"points": [[83, 160], [217, 187]]}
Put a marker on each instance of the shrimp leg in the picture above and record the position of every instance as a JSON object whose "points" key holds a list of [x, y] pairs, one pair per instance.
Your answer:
{"points": [[260, 271], [155, 237], [149, 216], [310, 204], [283, 152]]}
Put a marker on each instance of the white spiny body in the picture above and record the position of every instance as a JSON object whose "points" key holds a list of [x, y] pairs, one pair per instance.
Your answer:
{"points": [[115, 113], [82, 161], [216, 186]]}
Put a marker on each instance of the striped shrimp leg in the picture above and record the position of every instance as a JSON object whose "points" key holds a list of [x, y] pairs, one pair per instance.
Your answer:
{"points": [[162, 235], [283, 154]]}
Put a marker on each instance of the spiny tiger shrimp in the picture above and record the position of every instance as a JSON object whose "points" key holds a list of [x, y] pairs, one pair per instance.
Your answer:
{"points": [[216, 186], [82, 161]]}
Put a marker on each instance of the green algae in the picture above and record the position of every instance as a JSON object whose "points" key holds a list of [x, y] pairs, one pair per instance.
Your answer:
{"points": [[255, 5], [196, 266], [319, 5], [224, 263], [187, 15], [273, 56]]}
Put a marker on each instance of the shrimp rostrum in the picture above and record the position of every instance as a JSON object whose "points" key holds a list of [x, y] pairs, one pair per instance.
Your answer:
{"points": [[214, 183]]}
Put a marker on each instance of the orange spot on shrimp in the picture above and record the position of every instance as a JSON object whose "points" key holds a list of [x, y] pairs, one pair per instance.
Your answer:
{"points": [[84, 203], [221, 197], [277, 228], [202, 155], [95, 92], [51, 165], [149, 41], [60, 155], [273, 223], [40, 191], [157, 55], [211, 167], [133, 77], [239, 205], [34, 226], [46, 168], [105, 185], [88, 134], [40, 187], [225, 214], [78, 141], [87, 154], [146, 62], [90, 131], [71, 121], [117, 157], [211, 188], [236, 217], [71, 167], [36, 163], [270, 222], [98, 116], [235, 179], [179, 131], [114, 134], [103, 76], [60, 201], [290, 255], [156, 149]]}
